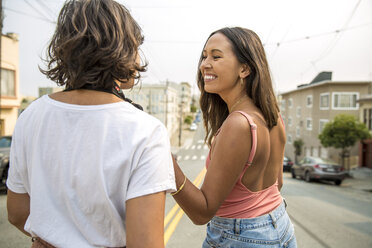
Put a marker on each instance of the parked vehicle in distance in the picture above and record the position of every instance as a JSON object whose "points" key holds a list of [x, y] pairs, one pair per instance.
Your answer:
{"points": [[287, 164], [5, 142], [193, 126], [315, 168]]}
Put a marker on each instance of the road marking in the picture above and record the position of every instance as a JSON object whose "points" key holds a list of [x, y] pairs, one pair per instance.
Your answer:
{"points": [[205, 147], [194, 157], [192, 147], [187, 147], [198, 147], [173, 225], [187, 157], [200, 141], [179, 158], [202, 157]]}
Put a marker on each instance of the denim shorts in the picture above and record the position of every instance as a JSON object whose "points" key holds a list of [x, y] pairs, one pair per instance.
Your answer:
{"points": [[270, 230]]}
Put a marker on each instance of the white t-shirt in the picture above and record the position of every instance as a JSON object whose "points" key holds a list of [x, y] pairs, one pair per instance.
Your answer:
{"points": [[80, 163]]}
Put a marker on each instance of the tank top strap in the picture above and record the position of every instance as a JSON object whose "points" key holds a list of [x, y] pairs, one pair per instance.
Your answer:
{"points": [[254, 135]]}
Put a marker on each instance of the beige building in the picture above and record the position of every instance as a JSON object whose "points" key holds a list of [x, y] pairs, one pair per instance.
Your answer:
{"points": [[10, 99], [163, 102], [308, 108]]}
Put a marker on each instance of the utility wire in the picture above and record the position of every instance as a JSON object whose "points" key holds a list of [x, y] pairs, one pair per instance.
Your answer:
{"points": [[26, 14], [37, 10]]}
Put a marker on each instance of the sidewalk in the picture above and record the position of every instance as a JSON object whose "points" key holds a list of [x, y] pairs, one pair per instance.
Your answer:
{"points": [[360, 179]]}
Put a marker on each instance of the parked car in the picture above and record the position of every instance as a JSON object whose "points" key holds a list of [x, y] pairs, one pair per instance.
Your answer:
{"points": [[193, 126], [315, 168], [287, 164], [5, 142]]}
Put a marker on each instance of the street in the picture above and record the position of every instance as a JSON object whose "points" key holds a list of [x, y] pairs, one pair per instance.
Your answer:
{"points": [[324, 215]]}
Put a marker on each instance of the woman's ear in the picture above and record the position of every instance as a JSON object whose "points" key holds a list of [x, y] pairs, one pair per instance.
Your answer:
{"points": [[245, 71]]}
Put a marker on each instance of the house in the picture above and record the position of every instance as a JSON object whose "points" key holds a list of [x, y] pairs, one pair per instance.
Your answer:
{"points": [[308, 108], [10, 98]]}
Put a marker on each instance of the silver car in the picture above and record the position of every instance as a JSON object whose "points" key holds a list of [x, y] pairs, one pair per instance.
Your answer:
{"points": [[315, 168]]}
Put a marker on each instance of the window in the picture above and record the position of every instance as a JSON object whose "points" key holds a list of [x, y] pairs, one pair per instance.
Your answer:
{"points": [[290, 102], [283, 105], [309, 124], [365, 116], [7, 82], [322, 123], [298, 111], [309, 101], [324, 101], [298, 133], [289, 121], [370, 120], [345, 100], [289, 139]]}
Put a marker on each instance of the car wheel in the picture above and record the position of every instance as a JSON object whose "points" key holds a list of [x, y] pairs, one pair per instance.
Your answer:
{"points": [[293, 174], [307, 177], [338, 182], [4, 176]]}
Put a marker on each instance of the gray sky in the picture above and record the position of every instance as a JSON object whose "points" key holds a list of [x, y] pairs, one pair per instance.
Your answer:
{"points": [[175, 32]]}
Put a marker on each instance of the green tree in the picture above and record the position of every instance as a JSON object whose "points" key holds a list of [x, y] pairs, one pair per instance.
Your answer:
{"points": [[342, 133], [188, 119], [193, 109], [298, 148]]}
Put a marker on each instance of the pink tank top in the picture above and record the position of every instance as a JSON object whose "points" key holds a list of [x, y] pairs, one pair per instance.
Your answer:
{"points": [[243, 203]]}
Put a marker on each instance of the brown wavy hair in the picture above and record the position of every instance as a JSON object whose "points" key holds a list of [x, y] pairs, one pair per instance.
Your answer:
{"points": [[95, 42], [249, 50]]}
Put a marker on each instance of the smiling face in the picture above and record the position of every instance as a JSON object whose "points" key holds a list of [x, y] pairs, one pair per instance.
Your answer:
{"points": [[220, 67]]}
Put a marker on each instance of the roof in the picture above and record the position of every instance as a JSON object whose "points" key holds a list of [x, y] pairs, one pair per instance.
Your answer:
{"points": [[311, 85]]}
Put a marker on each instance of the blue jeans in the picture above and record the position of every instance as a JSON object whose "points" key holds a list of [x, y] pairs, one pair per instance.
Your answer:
{"points": [[270, 230]]}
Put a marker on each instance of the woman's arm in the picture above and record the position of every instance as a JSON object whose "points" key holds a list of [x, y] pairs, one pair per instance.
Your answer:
{"points": [[18, 206], [229, 155], [145, 221]]}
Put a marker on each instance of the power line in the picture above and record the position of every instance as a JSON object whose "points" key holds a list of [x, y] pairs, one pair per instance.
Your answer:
{"points": [[26, 14], [37, 10]]}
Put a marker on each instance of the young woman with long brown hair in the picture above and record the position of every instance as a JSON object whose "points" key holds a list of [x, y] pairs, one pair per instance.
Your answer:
{"points": [[240, 196]]}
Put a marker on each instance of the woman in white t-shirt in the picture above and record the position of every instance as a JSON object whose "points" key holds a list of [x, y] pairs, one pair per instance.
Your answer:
{"points": [[87, 167]]}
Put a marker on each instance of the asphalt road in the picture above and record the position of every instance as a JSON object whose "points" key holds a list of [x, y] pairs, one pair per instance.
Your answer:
{"points": [[324, 215]]}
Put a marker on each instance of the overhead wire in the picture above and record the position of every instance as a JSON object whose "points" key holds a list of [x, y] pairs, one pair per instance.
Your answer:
{"points": [[37, 10]]}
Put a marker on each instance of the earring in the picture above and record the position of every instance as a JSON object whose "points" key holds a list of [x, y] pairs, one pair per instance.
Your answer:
{"points": [[242, 82]]}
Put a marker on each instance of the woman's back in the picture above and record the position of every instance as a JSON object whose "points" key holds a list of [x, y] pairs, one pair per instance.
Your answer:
{"points": [[266, 168]]}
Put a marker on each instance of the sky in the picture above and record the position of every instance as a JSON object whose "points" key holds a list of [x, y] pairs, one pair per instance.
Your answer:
{"points": [[301, 37]]}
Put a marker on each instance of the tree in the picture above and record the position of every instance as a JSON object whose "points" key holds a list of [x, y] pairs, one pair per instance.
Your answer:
{"points": [[193, 109], [188, 119], [298, 148], [342, 133]]}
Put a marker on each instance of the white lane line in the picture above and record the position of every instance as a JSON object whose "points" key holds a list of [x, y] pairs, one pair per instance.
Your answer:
{"points": [[200, 141], [187, 157], [187, 147], [193, 147], [198, 147], [194, 157]]}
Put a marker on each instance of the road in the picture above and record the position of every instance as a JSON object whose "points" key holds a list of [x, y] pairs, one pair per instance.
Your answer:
{"points": [[324, 215]]}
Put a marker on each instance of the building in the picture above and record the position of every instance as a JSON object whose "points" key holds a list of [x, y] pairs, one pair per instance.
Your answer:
{"points": [[48, 90], [308, 108], [10, 99], [161, 101]]}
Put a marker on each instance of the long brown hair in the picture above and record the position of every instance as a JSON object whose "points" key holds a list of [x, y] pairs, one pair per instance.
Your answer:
{"points": [[248, 49], [95, 42]]}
